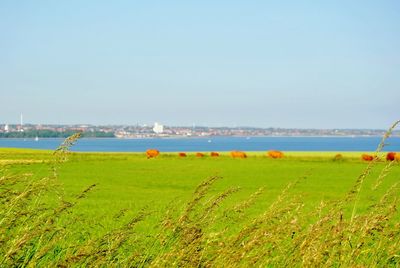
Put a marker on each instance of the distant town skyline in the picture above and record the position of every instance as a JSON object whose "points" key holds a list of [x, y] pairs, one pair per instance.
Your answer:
{"points": [[292, 64], [159, 125], [160, 131]]}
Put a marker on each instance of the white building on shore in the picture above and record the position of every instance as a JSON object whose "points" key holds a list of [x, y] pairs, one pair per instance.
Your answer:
{"points": [[158, 128]]}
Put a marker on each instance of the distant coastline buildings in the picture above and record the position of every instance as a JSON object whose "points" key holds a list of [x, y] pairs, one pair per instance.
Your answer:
{"points": [[22, 130], [159, 131]]}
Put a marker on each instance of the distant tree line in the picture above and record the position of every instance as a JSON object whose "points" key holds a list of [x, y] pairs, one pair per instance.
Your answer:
{"points": [[54, 134]]}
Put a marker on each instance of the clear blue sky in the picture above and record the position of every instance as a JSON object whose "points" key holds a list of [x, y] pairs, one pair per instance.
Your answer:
{"points": [[319, 64]]}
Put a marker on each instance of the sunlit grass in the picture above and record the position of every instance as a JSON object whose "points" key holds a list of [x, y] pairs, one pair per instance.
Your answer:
{"points": [[122, 209]]}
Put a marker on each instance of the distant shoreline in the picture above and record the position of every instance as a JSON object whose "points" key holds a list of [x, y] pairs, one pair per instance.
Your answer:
{"points": [[208, 137], [204, 138]]}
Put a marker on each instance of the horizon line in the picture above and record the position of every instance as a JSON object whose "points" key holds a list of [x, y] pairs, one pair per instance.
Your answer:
{"points": [[188, 126]]}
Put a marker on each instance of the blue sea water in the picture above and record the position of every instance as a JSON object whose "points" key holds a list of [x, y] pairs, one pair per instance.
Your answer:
{"points": [[212, 144]]}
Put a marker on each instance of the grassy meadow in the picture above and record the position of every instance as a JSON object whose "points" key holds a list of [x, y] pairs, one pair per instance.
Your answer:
{"points": [[122, 209]]}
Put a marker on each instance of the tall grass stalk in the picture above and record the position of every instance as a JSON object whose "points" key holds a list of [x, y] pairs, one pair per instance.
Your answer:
{"points": [[371, 164]]}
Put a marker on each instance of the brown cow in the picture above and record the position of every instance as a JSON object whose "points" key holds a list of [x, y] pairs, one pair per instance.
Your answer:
{"points": [[214, 154], [275, 154], [182, 154], [397, 157], [338, 157], [238, 154], [390, 156], [367, 157], [152, 153], [199, 155]]}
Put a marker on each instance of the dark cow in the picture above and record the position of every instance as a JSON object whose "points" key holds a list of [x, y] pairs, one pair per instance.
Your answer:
{"points": [[214, 154], [391, 156]]}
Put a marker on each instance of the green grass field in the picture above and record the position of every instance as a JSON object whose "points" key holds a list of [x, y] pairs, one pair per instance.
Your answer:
{"points": [[131, 181]]}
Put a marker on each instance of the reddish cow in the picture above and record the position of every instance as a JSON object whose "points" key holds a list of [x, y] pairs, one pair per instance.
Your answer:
{"points": [[199, 155], [214, 154], [152, 153], [238, 154], [367, 157], [275, 154], [390, 156], [182, 154]]}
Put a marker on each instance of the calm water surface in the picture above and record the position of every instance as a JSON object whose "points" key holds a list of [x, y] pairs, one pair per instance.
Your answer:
{"points": [[212, 144]]}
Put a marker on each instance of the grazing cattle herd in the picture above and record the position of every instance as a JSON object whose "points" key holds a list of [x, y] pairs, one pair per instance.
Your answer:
{"points": [[390, 156]]}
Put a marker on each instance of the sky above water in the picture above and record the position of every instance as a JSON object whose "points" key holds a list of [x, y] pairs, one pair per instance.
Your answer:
{"points": [[295, 64]]}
